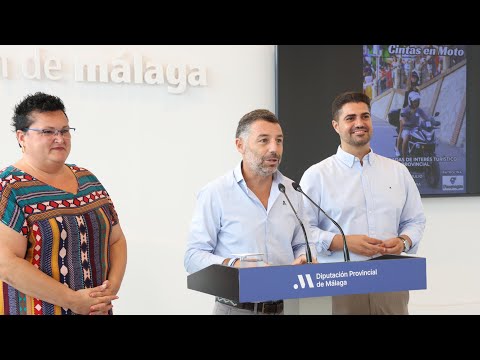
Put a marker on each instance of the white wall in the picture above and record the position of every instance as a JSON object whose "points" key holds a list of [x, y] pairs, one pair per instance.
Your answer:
{"points": [[451, 246], [153, 151]]}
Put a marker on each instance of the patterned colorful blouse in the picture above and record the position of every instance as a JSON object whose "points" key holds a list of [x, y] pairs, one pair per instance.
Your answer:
{"points": [[68, 234]]}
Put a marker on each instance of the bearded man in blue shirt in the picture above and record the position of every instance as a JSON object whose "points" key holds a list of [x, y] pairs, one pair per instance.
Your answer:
{"points": [[244, 211], [375, 199]]}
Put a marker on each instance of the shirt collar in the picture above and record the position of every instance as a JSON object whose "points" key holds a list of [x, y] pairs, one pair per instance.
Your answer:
{"points": [[349, 159], [237, 173]]}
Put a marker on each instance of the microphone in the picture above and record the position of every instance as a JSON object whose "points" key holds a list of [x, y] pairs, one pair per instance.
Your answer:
{"points": [[346, 254], [308, 254]]}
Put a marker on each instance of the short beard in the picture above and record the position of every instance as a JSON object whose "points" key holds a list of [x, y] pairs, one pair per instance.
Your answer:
{"points": [[351, 140], [264, 172], [359, 143], [258, 169]]}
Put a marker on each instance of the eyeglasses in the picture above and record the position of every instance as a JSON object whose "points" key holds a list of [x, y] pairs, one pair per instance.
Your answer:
{"points": [[51, 133]]}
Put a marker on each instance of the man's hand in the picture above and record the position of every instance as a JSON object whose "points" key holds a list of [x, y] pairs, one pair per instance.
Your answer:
{"points": [[393, 246], [363, 245], [302, 259]]}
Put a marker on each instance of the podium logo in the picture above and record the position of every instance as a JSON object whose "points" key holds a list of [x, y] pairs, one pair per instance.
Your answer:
{"points": [[301, 280]]}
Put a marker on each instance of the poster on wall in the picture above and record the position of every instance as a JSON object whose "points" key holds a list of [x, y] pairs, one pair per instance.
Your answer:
{"points": [[418, 107]]}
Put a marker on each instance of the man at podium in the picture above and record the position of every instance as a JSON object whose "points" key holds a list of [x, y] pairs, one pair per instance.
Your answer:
{"points": [[244, 211], [374, 198]]}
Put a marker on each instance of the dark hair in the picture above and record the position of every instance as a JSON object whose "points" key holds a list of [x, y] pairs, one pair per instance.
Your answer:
{"points": [[248, 119], [345, 98], [39, 102]]}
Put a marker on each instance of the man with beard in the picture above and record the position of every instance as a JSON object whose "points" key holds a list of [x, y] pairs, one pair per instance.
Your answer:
{"points": [[243, 211], [374, 198]]}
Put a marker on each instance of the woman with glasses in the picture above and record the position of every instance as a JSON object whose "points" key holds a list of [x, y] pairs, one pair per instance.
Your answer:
{"points": [[62, 250]]}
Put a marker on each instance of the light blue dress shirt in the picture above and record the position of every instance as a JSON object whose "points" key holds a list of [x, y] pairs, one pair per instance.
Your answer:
{"points": [[230, 219], [379, 199]]}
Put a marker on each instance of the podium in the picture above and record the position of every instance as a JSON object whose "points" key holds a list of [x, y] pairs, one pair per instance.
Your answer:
{"points": [[308, 288]]}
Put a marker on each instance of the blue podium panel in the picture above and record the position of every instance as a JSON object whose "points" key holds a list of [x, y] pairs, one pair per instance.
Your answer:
{"points": [[382, 274], [330, 279]]}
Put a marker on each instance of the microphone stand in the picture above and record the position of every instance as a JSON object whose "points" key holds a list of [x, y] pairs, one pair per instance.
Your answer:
{"points": [[346, 253], [308, 253]]}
